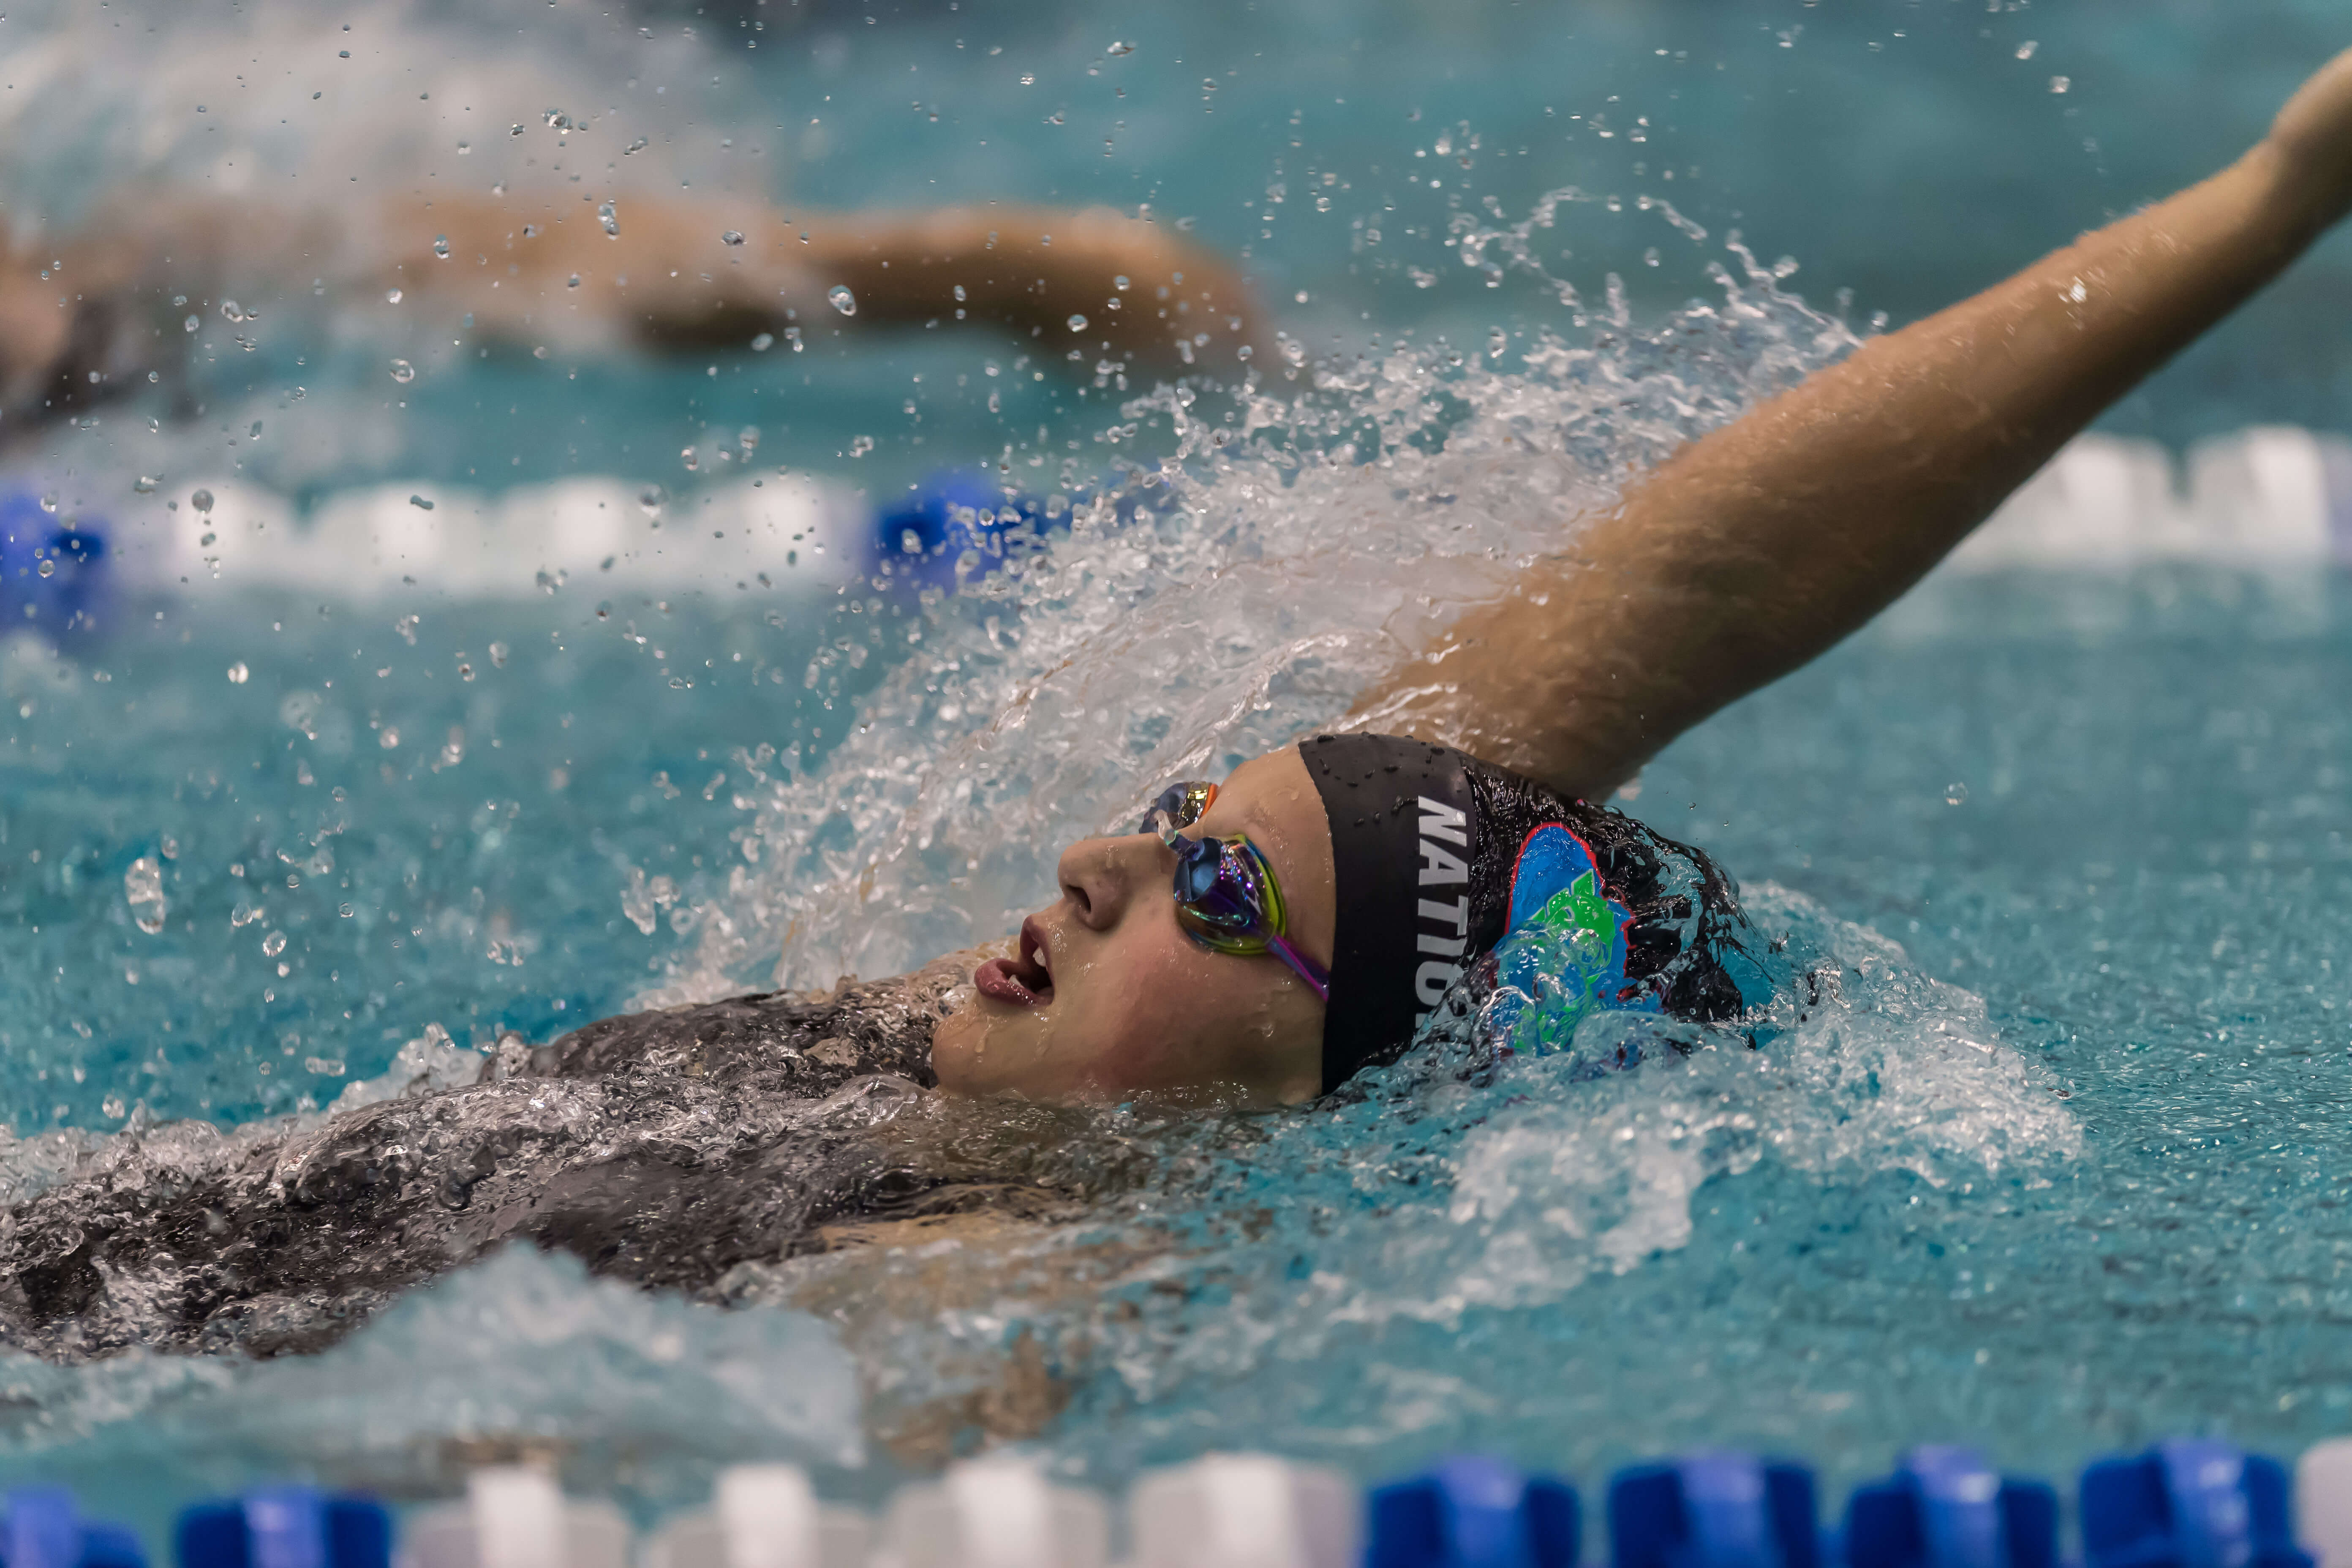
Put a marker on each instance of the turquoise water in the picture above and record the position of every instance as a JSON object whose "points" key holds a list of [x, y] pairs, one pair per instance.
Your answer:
{"points": [[2048, 1162]]}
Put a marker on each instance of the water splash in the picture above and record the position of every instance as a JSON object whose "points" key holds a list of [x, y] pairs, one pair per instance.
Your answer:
{"points": [[1297, 539], [1462, 1186], [523, 1353]]}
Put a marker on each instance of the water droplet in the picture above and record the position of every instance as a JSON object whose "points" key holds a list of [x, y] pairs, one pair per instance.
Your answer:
{"points": [[2025, 50], [192, 323], [441, 245], [2060, 83], [49, 567], [793, 336], [651, 498], [202, 501], [237, 674], [572, 282], [842, 298], [389, 738], [1118, 49], [142, 890], [464, 147], [403, 372], [1956, 794], [420, 503], [273, 944], [689, 459], [145, 484], [391, 296], [959, 291], [1078, 324], [637, 146], [860, 445], [764, 342], [231, 311], [1028, 78], [499, 654], [732, 236], [49, 503], [611, 218]]}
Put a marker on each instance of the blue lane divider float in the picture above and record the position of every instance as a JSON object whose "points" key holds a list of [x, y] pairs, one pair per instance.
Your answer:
{"points": [[42, 1529], [286, 1527], [54, 576], [1473, 1512], [2189, 1503], [1716, 1510], [2184, 1504], [923, 539], [1945, 1507]]}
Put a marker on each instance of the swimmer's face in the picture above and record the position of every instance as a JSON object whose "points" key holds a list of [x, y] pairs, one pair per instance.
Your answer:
{"points": [[1125, 1003]]}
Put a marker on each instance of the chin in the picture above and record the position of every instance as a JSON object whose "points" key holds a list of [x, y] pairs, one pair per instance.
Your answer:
{"points": [[955, 1047]]}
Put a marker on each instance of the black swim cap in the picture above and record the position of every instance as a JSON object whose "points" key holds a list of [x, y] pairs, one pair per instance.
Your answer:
{"points": [[1428, 845], [1413, 911]]}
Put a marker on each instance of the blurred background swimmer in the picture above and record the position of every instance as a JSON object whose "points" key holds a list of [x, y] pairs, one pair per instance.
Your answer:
{"points": [[94, 312], [439, 208]]}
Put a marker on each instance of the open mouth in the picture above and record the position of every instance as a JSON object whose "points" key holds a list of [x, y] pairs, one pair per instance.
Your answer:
{"points": [[1022, 980]]}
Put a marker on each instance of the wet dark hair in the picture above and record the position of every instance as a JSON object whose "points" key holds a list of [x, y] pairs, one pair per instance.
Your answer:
{"points": [[664, 1148]]}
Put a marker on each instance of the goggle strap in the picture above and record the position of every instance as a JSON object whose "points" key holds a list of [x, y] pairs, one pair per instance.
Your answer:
{"points": [[1307, 969]]}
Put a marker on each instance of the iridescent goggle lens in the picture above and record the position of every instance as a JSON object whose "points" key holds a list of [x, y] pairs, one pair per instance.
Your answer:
{"points": [[1226, 897]]}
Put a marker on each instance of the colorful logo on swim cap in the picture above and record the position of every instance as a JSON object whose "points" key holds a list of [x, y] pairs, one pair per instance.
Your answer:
{"points": [[1563, 953]]}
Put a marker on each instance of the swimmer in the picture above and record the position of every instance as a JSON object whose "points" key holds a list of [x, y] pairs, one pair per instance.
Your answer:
{"points": [[1740, 559], [86, 316], [1257, 940]]}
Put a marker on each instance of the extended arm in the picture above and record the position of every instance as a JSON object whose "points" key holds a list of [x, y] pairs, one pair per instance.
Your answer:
{"points": [[689, 274], [1763, 543], [92, 313]]}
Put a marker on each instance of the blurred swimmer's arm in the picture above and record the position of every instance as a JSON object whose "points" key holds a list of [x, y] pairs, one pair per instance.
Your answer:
{"points": [[715, 274], [87, 315], [1763, 543], [1137, 289]]}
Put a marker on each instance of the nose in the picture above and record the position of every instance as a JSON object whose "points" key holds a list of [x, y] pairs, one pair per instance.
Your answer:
{"points": [[1101, 876]]}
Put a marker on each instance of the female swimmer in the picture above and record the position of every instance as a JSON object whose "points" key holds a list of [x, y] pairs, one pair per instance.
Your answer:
{"points": [[1260, 939]]}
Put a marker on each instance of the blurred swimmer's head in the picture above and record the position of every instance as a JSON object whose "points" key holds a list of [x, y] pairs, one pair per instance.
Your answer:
{"points": [[1134, 981]]}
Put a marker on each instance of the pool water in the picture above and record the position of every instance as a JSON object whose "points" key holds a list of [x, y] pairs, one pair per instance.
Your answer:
{"points": [[2043, 1151]]}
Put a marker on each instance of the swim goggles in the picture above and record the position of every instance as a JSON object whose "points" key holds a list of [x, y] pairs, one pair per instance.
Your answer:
{"points": [[1226, 897]]}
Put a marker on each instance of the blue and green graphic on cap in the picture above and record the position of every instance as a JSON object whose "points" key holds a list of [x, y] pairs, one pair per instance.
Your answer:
{"points": [[1563, 952]]}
